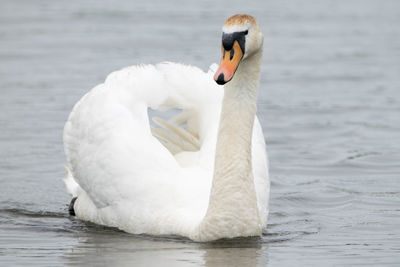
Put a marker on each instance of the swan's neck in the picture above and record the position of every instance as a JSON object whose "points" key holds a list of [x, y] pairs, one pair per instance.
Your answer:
{"points": [[233, 209]]}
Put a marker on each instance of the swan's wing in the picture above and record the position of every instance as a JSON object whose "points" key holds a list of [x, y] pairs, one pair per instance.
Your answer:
{"points": [[109, 143]]}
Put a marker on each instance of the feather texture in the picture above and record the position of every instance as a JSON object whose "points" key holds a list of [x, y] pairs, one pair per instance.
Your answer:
{"points": [[145, 179]]}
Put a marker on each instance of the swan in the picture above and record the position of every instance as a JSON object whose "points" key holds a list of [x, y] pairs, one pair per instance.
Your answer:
{"points": [[201, 174]]}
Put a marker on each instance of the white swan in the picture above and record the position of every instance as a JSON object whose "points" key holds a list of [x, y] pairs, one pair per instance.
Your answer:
{"points": [[202, 174]]}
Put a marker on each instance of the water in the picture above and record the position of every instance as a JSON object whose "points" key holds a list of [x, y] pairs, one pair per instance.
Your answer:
{"points": [[329, 105]]}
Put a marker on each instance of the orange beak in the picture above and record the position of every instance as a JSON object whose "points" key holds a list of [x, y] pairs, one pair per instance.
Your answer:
{"points": [[229, 63]]}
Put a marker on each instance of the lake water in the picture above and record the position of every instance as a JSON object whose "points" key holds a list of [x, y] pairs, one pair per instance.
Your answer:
{"points": [[329, 105]]}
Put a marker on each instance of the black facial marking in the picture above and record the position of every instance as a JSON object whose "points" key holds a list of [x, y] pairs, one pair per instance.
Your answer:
{"points": [[229, 38]]}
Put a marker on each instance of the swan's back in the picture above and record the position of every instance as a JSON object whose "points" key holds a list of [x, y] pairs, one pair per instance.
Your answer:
{"points": [[133, 180]]}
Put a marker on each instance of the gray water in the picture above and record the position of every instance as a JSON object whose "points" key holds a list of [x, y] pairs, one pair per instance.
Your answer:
{"points": [[329, 105]]}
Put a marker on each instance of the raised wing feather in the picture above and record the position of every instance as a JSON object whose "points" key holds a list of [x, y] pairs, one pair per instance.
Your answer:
{"points": [[108, 141]]}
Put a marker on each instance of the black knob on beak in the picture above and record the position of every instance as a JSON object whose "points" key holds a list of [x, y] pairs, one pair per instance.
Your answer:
{"points": [[220, 79]]}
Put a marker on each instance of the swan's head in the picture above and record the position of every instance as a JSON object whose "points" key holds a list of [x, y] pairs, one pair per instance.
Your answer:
{"points": [[241, 38]]}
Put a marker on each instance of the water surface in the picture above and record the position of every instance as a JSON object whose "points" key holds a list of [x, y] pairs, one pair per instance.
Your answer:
{"points": [[329, 105]]}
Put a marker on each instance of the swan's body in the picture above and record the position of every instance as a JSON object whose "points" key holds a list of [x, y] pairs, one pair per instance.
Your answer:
{"points": [[205, 181]]}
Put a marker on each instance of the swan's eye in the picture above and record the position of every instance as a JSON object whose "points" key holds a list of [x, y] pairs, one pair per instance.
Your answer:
{"points": [[246, 32]]}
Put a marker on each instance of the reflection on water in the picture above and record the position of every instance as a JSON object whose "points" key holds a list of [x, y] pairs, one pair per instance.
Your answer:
{"points": [[124, 249], [329, 103]]}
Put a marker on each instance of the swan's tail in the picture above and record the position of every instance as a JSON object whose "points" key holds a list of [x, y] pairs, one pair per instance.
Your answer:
{"points": [[73, 187]]}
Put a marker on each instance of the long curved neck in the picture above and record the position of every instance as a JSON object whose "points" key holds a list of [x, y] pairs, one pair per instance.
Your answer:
{"points": [[232, 209]]}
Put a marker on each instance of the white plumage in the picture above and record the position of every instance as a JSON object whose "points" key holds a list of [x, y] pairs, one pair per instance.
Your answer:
{"points": [[152, 179]]}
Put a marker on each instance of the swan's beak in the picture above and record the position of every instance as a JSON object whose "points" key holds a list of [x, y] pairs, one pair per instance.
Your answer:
{"points": [[229, 63]]}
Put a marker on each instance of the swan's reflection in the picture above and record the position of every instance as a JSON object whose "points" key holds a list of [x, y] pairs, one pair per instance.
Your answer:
{"points": [[114, 248], [237, 252]]}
